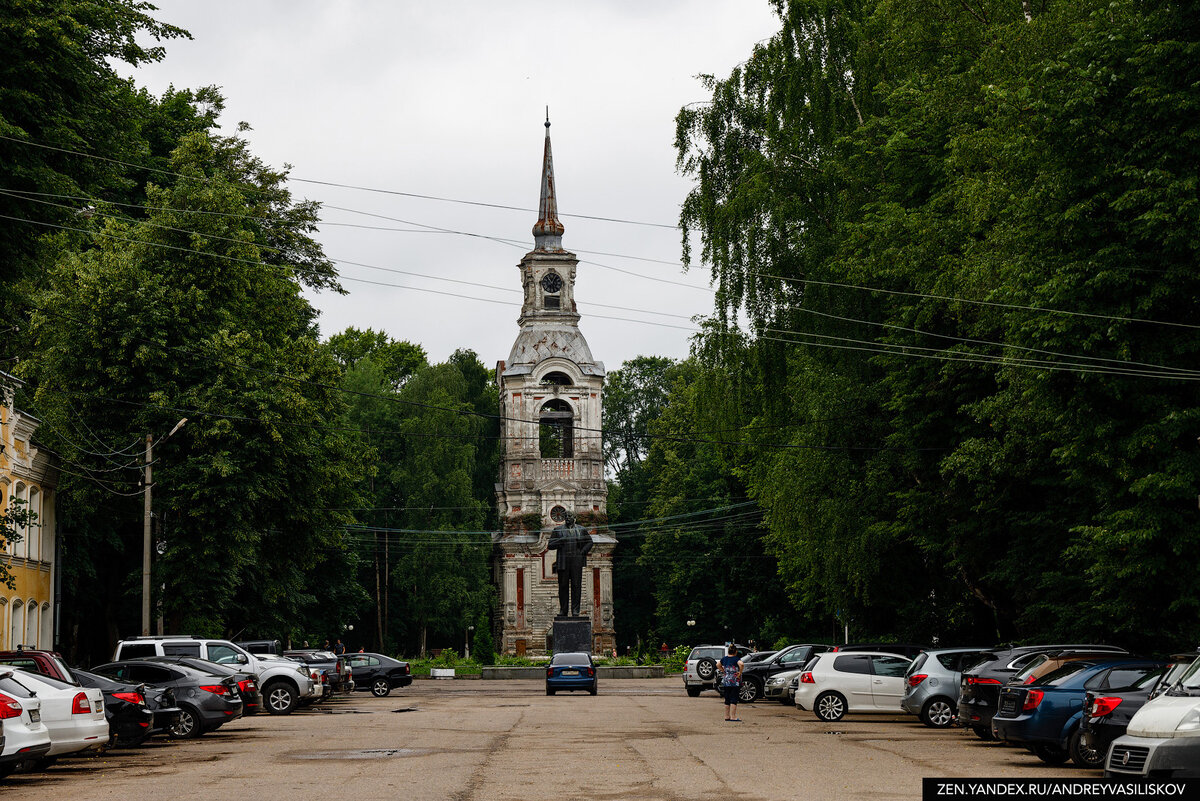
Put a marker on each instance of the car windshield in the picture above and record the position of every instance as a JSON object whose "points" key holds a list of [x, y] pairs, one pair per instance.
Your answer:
{"points": [[1056, 677], [570, 659], [1191, 679], [1027, 667]]}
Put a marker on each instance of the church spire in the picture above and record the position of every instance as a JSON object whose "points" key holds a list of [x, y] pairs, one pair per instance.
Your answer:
{"points": [[548, 231]]}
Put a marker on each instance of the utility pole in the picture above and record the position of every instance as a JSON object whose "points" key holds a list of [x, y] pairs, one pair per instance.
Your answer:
{"points": [[146, 540], [146, 530]]}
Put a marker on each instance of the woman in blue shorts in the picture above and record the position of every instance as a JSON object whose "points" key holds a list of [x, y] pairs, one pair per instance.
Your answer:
{"points": [[731, 682]]}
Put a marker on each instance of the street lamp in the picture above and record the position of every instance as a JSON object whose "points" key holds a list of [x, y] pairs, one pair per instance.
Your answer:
{"points": [[467, 644], [146, 529]]}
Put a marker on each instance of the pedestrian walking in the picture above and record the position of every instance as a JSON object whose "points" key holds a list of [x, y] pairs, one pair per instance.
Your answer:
{"points": [[731, 682], [339, 649]]}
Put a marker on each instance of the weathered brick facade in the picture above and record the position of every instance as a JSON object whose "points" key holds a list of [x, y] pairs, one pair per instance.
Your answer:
{"points": [[552, 461]]}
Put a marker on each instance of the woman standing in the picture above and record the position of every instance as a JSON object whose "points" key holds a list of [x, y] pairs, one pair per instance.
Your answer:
{"points": [[731, 682]]}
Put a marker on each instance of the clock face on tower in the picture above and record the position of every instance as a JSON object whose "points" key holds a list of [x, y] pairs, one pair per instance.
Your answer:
{"points": [[551, 282]]}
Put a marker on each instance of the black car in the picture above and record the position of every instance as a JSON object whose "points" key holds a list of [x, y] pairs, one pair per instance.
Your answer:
{"points": [[1106, 711], [247, 683], [206, 702], [756, 673], [378, 673], [980, 683], [135, 712]]}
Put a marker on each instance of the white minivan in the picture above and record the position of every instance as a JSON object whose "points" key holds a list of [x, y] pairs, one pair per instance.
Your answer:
{"points": [[1163, 738]]}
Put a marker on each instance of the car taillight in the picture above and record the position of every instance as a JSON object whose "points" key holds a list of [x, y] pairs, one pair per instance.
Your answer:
{"points": [[406, 669], [319, 677], [917, 678], [549, 672], [215, 689], [972, 680], [1029, 680], [807, 678], [247, 685], [1103, 705], [9, 707], [81, 705], [133, 698], [591, 671], [1032, 699]]}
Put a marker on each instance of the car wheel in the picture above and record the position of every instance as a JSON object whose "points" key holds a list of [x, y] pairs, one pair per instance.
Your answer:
{"points": [[938, 713], [549, 691], [1081, 754], [281, 698], [188, 726], [380, 688], [595, 688], [1050, 754], [706, 668], [830, 707], [693, 692], [983, 732], [748, 692]]}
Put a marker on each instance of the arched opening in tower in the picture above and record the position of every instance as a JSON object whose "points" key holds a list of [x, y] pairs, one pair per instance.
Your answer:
{"points": [[556, 430]]}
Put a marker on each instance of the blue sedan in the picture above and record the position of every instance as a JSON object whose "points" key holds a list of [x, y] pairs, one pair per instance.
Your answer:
{"points": [[1045, 716], [571, 671]]}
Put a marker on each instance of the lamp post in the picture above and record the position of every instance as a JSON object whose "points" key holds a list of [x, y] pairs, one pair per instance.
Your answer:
{"points": [[467, 644], [146, 529]]}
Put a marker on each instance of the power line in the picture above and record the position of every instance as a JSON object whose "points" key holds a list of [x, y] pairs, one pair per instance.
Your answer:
{"points": [[804, 281]]}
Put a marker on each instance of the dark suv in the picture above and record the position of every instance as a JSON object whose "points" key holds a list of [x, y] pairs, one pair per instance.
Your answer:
{"points": [[793, 657], [981, 683]]}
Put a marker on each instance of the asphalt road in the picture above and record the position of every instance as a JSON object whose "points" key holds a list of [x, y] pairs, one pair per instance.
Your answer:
{"points": [[471, 740]]}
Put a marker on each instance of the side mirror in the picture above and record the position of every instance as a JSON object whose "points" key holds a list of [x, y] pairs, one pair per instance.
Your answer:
{"points": [[242, 659]]}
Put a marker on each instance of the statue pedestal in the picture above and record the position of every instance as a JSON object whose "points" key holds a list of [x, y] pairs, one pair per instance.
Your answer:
{"points": [[572, 634]]}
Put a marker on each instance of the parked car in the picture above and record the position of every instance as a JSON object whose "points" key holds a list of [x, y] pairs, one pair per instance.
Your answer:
{"points": [[135, 712], [206, 702], [44, 663], [73, 715], [1045, 716], [756, 673], [378, 673], [777, 687], [571, 671], [1107, 711], [334, 672], [26, 738], [283, 682], [247, 684], [700, 669], [865, 681], [262, 647], [979, 688], [932, 684], [1163, 738], [900, 648]]}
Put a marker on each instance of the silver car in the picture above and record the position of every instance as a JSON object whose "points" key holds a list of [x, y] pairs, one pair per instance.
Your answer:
{"points": [[931, 688]]}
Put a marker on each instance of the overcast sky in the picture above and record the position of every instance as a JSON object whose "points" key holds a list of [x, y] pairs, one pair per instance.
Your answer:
{"points": [[448, 100]]}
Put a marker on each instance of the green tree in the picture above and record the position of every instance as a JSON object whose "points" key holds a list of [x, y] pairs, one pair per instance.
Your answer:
{"points": [[198, 315]]}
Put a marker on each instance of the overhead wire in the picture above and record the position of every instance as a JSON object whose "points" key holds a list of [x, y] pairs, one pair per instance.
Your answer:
{"points": [[805, 281]]}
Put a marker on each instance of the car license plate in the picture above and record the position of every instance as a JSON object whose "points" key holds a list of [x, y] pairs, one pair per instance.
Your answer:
{"points": [[570, 673], [35, 716]]}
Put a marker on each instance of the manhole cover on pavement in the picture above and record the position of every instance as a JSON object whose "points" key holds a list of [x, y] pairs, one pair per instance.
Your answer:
{"points": [[368, 753]]}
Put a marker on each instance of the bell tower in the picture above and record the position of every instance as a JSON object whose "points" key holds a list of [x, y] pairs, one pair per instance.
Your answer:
{"points": [[552, 461]]}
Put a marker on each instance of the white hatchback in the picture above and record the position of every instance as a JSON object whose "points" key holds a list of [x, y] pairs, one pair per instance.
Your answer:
{"points": [[73, 715], [25, 736], [852, 681]]}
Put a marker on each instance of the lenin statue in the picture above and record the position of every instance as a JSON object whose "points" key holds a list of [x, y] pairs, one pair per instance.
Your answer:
{"points": [[572, 542]]}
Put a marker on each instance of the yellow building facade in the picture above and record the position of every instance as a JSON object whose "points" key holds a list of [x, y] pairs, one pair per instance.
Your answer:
{"points": [[27, 609]]}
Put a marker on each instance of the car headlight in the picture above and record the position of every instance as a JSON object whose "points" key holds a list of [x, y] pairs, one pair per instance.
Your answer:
{"points": [[776, 681], [1190, 722]]}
